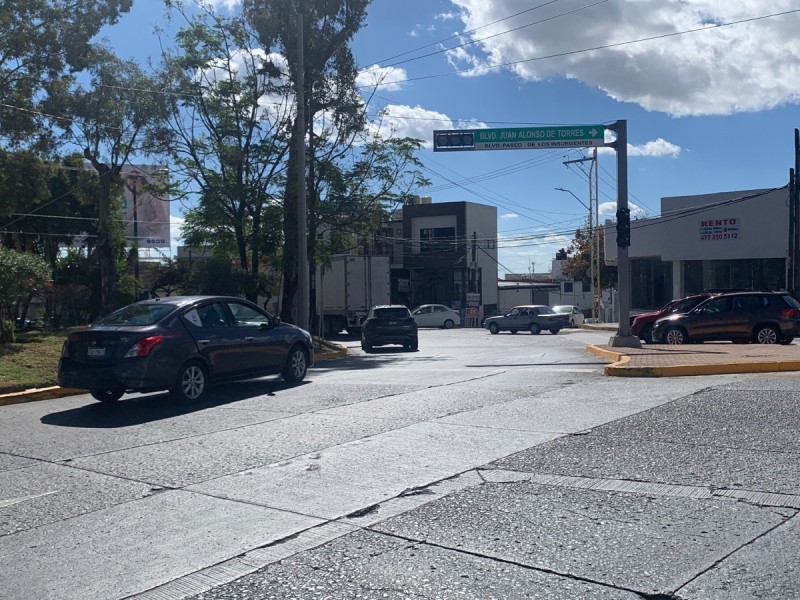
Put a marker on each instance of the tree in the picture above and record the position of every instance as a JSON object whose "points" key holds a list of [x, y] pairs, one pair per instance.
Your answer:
{"points": [[42, 40], [108, 120], [227, 136], [578, 262], [341, 152], [21, 274]]}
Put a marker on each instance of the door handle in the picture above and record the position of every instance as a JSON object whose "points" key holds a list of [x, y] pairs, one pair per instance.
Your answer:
{"points": [[204, 342], [248, 339]]}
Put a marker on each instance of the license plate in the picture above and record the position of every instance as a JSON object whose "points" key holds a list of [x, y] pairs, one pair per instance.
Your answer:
{"points": [[95, 352]]}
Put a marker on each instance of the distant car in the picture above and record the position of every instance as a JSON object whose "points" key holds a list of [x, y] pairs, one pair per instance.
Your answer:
{"points": [[642, 325], [575, 314], [533, 318], [758, 317], [182, 344], [389, 324], [436, 315]]}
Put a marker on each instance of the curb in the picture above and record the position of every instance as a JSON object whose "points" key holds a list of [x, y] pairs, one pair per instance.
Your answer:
{"points": [[620, 367], [35, 394]]}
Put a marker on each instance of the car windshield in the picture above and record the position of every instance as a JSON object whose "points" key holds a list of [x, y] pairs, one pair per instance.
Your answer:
{"points": [[683, 306], [562, 309], [391, 313], [136, 314]]}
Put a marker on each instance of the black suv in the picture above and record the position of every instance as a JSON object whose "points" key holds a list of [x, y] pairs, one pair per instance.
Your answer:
{"points": [[389, 324], [758, 317]]}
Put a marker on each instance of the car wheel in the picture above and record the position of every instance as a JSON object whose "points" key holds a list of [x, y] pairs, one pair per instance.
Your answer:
{"points": [[296, 365], [766, 334], [534, 329], [191, 382], [107, 394], [494, 329], [675, 335], [366, 347], [555, 330], [413, 346], [449, 324], [647, 334]]}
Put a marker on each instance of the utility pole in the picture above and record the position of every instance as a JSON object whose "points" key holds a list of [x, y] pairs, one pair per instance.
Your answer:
{"points": [[594, 233], [794, 218], [623, 339], [303, 275]]}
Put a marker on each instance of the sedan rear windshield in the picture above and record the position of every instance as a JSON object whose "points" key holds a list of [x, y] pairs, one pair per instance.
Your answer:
{"points": [[137, 315], [391, 313]]}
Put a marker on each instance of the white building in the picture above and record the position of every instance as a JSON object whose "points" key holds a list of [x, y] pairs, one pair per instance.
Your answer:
{"points": [[722, 241]]}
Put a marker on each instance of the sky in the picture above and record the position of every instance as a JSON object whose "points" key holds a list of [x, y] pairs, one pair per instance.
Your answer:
{"points": [[708, 90]]}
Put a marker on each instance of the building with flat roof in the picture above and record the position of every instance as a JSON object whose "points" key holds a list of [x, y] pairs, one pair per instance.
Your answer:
{"points": [[722, 241]]}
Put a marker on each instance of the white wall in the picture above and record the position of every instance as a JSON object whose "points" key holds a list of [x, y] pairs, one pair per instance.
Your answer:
{"points": [[761, 228], [482, 220]]}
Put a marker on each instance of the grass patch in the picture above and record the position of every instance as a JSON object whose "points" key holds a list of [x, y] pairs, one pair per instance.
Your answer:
{"points": [[30, 362]]}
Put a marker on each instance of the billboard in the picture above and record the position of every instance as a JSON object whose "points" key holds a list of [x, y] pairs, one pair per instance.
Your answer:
{"points": [[145, 214]]}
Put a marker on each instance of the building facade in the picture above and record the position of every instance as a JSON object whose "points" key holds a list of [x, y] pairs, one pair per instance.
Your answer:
{"points": [[723, 241], [444, 253]]}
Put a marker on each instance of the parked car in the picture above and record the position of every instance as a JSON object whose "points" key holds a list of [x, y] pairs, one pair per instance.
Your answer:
{"points": [[642, 325], [436, 315], [575, 314], [182, 344], [533, 318], [389, 324], [758, 317]]}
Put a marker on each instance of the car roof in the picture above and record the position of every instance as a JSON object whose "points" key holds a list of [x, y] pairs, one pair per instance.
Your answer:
{"points": [[187, 300]]}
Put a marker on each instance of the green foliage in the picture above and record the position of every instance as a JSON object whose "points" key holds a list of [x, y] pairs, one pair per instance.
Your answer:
{"points": [[578, 263], [224, 139], [21, 274], [41, 41]]}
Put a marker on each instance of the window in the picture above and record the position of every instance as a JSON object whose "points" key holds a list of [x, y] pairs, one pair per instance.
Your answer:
{"points": [[437, 239], [246, 316]]}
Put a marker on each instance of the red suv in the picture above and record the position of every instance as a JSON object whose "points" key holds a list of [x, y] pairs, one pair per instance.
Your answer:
{"points": [[642, 325]]}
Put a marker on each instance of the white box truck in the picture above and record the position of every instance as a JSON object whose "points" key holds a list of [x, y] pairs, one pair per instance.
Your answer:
{"points": [[349, 288]]}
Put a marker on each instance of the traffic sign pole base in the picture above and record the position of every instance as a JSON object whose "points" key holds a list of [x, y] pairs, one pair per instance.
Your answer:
{"points": [[624, 341]]}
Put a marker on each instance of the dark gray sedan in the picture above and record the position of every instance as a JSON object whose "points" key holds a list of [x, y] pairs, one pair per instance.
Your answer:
{"points": [[182, 344], [533, 318]]}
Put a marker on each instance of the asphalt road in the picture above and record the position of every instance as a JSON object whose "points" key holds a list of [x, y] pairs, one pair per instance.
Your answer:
{"points": [[479, 467]]}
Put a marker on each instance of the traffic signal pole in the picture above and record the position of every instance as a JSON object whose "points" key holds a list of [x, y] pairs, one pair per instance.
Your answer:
{"points": [[623, 338]]}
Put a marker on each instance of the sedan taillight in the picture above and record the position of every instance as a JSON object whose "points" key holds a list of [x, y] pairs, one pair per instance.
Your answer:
{"points": [[143, 346], [71, 339], [790, 313]]}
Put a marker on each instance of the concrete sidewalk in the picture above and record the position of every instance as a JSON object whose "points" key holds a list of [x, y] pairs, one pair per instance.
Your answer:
{"points": [[659, 360]]}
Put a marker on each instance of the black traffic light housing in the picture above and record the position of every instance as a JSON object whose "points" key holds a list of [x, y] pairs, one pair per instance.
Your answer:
{"points": [[449, 140], [623, 227]]}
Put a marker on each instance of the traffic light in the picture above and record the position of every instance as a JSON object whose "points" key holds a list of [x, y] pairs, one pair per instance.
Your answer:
{"points": [[453, 140], [623, 227]]}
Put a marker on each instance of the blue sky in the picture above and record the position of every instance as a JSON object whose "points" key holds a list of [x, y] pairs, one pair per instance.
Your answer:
{"points": [[707, 111]]}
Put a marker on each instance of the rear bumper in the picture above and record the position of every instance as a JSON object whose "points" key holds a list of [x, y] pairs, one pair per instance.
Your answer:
{"points": [[131, 375]]}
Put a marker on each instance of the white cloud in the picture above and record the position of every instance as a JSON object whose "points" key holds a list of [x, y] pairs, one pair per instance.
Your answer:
{"points": [[657, 148], [383, 78], [510, 216], [747, 67], [226, 4], [399, 120], [608, 210]]}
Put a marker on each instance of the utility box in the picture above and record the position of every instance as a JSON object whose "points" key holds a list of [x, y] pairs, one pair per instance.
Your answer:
{"points": [[349, 288]]}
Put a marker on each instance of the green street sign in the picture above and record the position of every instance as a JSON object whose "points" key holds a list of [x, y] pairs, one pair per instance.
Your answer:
{"points": [[520, 138]]}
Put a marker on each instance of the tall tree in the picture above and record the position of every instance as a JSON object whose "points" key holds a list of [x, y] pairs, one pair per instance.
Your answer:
{"points": [[41, 41], [328, 69], [227, 136], [107, 120]]}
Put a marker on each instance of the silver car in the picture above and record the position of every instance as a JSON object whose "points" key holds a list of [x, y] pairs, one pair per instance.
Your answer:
{"points": [[533, 318]]}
